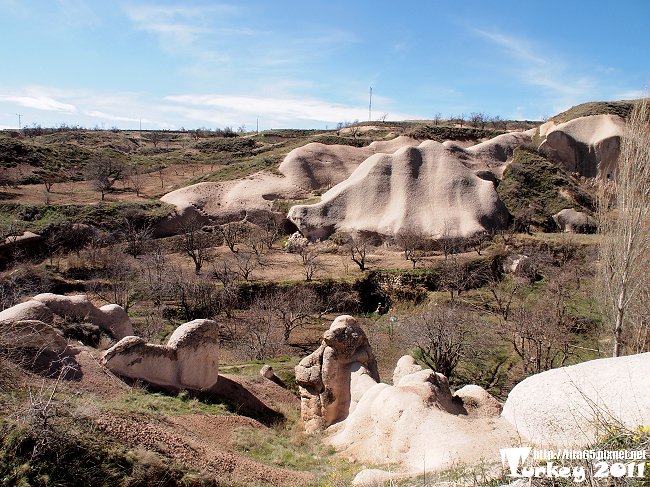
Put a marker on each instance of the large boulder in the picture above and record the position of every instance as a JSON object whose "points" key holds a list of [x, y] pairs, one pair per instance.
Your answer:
{"points": [[189, 360], [334, 377], [572, 221], [27, 311], [431, 190], [571, 406], [588, 146], [111, 317]]}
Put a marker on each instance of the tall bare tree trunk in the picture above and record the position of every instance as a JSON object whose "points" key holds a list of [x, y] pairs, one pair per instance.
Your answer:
{"points": [[625, 227]]}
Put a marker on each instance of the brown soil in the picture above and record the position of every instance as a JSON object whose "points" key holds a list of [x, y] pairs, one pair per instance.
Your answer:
{"points": [[82, 192], [202, 442]]}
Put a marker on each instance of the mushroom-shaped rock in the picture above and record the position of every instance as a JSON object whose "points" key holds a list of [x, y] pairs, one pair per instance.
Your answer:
{"points": [[189, 360], [573, 221], [588, 146], [29, 310], [333, 377], [570, 406]]}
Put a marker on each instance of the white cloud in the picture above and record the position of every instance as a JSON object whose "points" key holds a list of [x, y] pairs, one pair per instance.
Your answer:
{"points": [[214, 107], [39, 103], [177, 26]]}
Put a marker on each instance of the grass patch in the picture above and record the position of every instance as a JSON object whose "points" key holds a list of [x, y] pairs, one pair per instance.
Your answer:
{"points": [[283, 206], [329, 139], [440, 133], [108, 216], [142, 402], [288, 446], [621, 108]]}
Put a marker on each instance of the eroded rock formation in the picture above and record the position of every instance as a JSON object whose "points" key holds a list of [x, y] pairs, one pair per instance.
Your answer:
{"points": [[334, 377], [431, 190], [189, 360], [588, 146]]}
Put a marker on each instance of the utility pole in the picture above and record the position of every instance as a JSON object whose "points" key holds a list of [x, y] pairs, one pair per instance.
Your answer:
{"points": [[370, 106], [258, 125], [20, 116]]}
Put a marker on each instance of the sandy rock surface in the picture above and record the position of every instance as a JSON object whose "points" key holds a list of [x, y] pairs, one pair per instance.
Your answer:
{"points": [[189, 360], [570, 406], [430, 189], [573, 221], [336, 375], [588, 146]]}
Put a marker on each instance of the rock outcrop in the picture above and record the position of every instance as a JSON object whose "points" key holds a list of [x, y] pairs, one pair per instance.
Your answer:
{"points": [[418, 423], [42, 307], [588, 146], [334, 377], [431, 189], [570, 406], [572, 221], [28, 311], [189, 360], [304, 170], [318, 166]]}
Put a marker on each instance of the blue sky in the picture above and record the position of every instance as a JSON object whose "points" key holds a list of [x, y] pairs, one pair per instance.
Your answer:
{"points": [[310, 64]]}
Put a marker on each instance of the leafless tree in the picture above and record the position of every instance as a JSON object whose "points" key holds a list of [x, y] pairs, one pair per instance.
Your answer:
{"points": [[233, 234], [136, 178], [196, 243], [102, 172], [262, 334], [437, 118], [357, 247], [625, 225], [292, 307], [137, 236], [413, 244], [478, 241], [311, 261], [442, 335]]}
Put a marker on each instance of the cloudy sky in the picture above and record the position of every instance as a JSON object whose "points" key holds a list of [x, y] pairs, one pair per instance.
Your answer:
{"points": [[310, 64]]}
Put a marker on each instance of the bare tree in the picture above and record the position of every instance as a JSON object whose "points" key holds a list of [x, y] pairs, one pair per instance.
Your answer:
{"points": [[443, 335], [294, 307], [357, 247], [137, 236], [196, 243], [102, 172], [136, 178], [233, 234], [625, 224], [311, 261], [413, 244]]}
